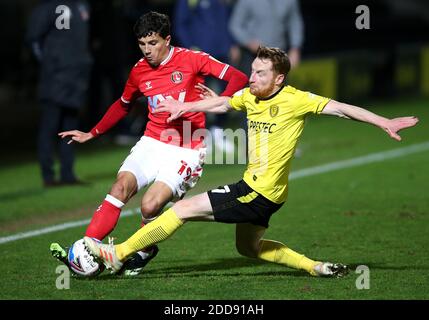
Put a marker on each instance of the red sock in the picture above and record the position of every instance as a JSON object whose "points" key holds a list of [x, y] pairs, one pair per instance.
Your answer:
{"points": [[103, 221]]}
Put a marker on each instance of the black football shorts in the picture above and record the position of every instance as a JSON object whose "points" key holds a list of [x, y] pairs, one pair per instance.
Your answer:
{"points": [[239, 203]]}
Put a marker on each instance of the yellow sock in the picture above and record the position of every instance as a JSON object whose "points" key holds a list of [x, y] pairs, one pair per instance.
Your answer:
{"points": [[156, 231], [277, 252]]}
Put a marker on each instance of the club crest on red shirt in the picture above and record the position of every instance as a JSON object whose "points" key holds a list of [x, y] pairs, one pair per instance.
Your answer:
{"points": [[177, 77]]}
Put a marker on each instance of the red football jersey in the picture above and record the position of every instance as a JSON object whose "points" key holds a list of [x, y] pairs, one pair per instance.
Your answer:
{"points": [[175, 78]]}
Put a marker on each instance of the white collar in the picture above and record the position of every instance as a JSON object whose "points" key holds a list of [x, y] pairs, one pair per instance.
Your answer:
{"points": [[170, 54]]}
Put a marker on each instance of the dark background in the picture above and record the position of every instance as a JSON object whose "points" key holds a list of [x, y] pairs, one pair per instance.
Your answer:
{"points": [[329, 30]]}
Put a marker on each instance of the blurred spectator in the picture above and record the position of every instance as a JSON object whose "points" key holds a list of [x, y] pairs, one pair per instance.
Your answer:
{"points": [[106, 47], [58, 35], [110, 51], [203, 25], [273, 23]]}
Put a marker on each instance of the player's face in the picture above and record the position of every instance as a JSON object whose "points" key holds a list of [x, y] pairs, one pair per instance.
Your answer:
{"points": [[155, 48], [263, 80]]}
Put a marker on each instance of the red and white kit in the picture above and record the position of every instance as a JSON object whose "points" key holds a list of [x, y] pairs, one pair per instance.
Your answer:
{"points": [[169, 152]]}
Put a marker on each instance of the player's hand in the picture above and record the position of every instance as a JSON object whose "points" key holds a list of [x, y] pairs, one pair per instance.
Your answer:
{"points": [[174, 107], [205, 92], [393, 126], [76, 135]]}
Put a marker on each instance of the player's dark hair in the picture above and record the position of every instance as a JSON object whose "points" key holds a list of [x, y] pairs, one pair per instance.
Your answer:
{"points": [[152, 22], [278, 57]]}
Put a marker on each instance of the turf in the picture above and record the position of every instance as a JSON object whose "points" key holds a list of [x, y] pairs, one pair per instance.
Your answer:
{"points": [[375, 215]]}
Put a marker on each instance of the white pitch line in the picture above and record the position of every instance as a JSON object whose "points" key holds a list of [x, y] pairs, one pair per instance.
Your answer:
{"points": [[58, 227], [333, 166], [370, 158]]}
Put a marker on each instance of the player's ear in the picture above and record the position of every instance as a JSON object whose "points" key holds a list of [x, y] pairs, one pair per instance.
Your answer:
{"points": [[167, 40], [280, 78]]}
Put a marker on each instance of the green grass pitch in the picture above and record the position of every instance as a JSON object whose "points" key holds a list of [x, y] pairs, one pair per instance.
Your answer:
{"points": [[376, 214]]}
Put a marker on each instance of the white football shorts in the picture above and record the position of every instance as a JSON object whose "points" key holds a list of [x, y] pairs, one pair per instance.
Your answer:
{"points": [[152, 160]]}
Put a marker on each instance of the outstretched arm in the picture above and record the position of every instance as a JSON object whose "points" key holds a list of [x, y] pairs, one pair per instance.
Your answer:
{"points": [[235, 79], [210, 103], [116, 112], [391, 126], [76, 135]]}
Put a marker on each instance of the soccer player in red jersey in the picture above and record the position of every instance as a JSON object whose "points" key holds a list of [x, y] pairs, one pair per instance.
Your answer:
{"points": [[169, 155]]}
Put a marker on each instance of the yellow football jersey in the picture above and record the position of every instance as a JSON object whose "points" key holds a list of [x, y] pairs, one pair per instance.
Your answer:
{"points": [[274, 126]]}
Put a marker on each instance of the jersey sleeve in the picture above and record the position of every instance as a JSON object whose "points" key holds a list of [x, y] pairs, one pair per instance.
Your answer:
{"points": [[237, 100], [131, 90], [205, 64], [309, 103]]}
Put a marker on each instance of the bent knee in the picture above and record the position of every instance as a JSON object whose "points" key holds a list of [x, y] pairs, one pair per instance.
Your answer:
{"points": [[150, 209], [124, 187], [120, 192], [249, 250]]}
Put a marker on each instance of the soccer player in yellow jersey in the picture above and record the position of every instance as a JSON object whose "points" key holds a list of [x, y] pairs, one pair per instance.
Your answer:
{"points": [[276, 115]]}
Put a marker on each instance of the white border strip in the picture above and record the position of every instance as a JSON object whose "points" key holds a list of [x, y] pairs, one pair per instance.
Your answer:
{"points": [[333, 166], [58, 227], [371, 158], [223, 71]]}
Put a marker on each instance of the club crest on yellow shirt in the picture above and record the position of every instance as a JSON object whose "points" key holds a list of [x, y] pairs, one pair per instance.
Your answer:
{"points": [[274, 110]]}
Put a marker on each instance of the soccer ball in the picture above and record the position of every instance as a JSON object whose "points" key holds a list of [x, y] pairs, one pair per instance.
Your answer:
{"points": [[82, 262]]}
